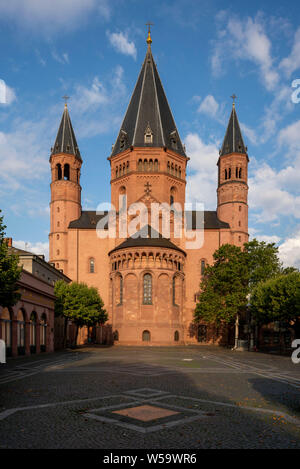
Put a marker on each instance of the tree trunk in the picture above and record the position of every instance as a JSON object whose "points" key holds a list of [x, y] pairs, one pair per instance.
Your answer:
{"points": [[76, 335], [65, 332], [236, 336]]}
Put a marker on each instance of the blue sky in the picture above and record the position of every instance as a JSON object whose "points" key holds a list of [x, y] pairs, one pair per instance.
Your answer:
{"points": [[92, 50]]}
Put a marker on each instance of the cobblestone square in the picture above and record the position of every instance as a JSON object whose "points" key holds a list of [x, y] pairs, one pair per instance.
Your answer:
{"points": [[211, 397]]}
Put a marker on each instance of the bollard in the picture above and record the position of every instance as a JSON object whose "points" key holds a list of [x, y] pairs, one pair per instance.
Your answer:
{"points": [[2, 351]]}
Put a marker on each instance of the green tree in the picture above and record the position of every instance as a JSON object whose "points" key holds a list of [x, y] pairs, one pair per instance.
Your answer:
{"points": [[278, 299], [9, 272], [262, 261], [224, 287], [81, 304]]}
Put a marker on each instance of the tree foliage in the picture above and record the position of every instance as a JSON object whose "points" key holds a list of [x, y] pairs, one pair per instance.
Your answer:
{"points": [[224, 287], [234, 275], [278, 299], [9, 272], [79, 303], [262, 261]]}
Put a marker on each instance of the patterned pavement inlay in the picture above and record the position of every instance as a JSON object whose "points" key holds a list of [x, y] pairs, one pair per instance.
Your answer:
{"points": [[145, 413]]}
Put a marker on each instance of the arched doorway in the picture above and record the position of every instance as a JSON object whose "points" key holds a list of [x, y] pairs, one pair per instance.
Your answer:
{"points": [[32, 334], [21, 332], [6, 329], [146, 336], [43, 333]]}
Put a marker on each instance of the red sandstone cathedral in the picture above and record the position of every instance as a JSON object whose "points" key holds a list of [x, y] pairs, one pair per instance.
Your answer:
{"points": [[148, 281]]}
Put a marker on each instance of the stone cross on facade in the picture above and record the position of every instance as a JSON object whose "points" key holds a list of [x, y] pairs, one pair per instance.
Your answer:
{"points": [[147, 188]]}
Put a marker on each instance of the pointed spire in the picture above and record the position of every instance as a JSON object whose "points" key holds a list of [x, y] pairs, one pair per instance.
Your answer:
{"points": [[65, 140], [233, 141], [148, 121]]}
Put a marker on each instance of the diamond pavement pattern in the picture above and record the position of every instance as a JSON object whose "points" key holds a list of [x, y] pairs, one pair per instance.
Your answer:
{"points": [[146, 413]]}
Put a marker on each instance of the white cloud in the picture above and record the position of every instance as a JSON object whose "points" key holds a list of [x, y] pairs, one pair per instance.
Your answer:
{"points": [[270, 194], [46, 17], [122, 44], [209, 106], [245, 40], [7, 94], [23, 153], [202, 182], [289, 251], [98, 105], [289, 137], [62, 59], [36, 248], [292, 62]]}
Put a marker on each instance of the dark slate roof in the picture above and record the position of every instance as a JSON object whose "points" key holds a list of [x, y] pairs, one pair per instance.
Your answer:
{"points": [[211, 220], [88, 220], [148, 108], [65, 140], [233, 141], [142, 238]]}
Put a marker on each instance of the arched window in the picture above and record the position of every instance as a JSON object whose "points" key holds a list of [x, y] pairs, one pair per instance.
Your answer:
{"points": [[202, 266], [174, 291], [240, 173], [6, 326], [147, 290], [229, 173], [67, 172], [43, 332], [58, 171], [145, 165], [146, 336], [168, 167], [21, 332], [32, 332], [127, 167], [140, 165], [120, 302], [171, 199], [116, 336], [180, 172], [150, 165], [117, 172], [176, 336], [225, 174], [236, 172], [155, 165], [92, 265]]}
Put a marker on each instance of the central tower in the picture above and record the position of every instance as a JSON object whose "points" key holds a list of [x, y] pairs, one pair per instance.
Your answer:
{"points": [[148, 158]]}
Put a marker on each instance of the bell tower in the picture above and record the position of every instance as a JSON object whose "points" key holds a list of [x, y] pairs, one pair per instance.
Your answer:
{"points": [[148, 160], [233, 181], [65, 205]]}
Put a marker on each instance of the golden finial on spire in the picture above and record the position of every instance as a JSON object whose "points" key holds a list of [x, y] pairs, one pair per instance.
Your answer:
{"points": [[149, 40]]}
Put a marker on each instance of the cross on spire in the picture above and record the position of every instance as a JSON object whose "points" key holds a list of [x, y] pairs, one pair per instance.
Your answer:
{"points": [[234, 97], [147, 190], [65, 97], [149, 40]]}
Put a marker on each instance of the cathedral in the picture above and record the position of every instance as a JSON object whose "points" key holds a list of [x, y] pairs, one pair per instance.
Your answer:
{"points": [[147, 271]]}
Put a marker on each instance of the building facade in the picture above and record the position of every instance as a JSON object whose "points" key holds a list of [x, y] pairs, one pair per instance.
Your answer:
{"points": [[148, 277], [28, 327]]}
